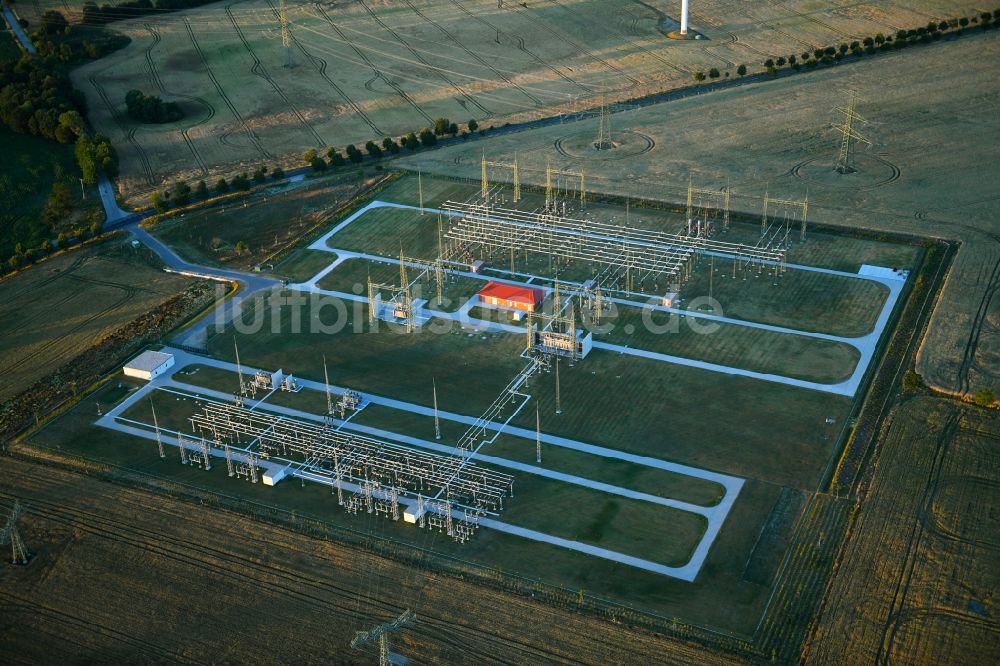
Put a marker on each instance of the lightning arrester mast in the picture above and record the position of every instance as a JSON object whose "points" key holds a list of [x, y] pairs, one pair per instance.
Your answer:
{"points": [[239, 370], [326, 381], [538, 434], [437, 418], [156, 426]]}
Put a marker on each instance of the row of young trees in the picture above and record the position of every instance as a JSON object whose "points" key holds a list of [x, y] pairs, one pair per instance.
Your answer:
{"points": [[426, 137], [933, 31], [182, 193], [25, 256]]}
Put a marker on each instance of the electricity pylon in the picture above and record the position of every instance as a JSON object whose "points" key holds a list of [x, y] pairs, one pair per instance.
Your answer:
{"points": [[604, 127], [286, 34], [848, 133], [18, 554], [380, 635]]}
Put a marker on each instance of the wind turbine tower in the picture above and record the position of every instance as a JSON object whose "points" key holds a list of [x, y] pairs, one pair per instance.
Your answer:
{"points": [[683, 32]]}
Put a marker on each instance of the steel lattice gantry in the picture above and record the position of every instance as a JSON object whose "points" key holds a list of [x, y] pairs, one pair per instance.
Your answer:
{"points": [[644, 252], [344, 457]]}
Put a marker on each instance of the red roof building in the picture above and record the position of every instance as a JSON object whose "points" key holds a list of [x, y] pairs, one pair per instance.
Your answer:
{"points": [[512, 297]]}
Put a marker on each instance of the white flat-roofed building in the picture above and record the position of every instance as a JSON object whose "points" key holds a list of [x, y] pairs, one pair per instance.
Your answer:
{"points": [[149, 365]]}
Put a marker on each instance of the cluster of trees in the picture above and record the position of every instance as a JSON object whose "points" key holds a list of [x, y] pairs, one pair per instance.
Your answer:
{"points": [[93, 153], [182, 193], [714, 74], [36, 97], [413, 141], [106, 13], [54, 38], [150, 108], [53, 23]]}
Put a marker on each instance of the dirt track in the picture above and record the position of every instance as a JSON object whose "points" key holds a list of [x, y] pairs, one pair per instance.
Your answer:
{"points": [[128, 575]]}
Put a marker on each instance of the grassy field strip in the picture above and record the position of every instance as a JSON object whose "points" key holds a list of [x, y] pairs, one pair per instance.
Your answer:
{"points": [[651, 480], [183, 359], [732, 485], [845, 387], [865, 344], [714, 516]]}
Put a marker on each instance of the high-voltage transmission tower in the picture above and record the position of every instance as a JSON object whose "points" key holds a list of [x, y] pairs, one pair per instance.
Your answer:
{"points": [[286, 34], [380, 635], [848, 133], [604, 141], [18, 554]]}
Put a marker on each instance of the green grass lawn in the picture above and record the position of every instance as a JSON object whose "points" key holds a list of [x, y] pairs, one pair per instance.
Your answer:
{"points": [[731, 345], [608, 470], [801, 300], [302, 263], [726, 423], [395, 364]]}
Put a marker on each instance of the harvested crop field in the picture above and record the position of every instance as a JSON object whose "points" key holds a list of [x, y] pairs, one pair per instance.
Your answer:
{"points": [[386, 67], [66, 304], [929, 527], [167, 553], [930, 172]]}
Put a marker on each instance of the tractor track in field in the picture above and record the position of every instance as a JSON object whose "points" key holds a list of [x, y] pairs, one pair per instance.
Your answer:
{"points": [[129, 134], [937, 527], [62, 618], [879, 25], [259, 69], [132, 289], [767, 23], [452, 38], [896, 608], [416, 54], [582, 50], [521, 47], [126, 297], [809, 17], [31, 289], [628, 41], [21, 323], [320, 65], [322, 594], [379, 74], [155, 79], [972, 343], [251, 135]]}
